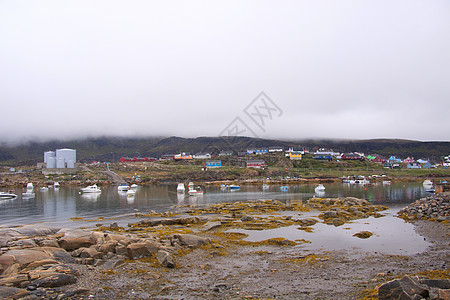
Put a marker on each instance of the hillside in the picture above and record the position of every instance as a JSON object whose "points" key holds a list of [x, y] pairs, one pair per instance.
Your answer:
{"points": [[112, 148]]}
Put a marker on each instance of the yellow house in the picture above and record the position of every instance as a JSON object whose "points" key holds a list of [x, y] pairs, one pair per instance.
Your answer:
{"points": [[295, 155]]}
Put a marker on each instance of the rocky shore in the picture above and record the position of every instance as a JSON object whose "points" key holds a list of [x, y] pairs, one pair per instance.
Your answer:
{"points": [[201, 254]]}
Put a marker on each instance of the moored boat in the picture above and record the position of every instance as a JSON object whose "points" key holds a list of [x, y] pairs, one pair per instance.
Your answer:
{"points": [[319, 188], [427, 182], [91, 189], [29, 193], [7, 195], [180, 188], [194, 191], [123, 187], [283, 188], [265, 187]]}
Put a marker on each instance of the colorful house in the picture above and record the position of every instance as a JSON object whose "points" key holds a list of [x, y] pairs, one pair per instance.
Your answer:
{"points": [[351, 156], [183, 156], [213, 164], [378, 159], [255, 163], [202, 155], [261, 151], [428, 165], [409, 160], [295, 155], [414, 165]]}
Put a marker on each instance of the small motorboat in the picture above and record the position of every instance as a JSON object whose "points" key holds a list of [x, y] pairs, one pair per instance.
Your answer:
{"points": [[29, 193], [91, 189], [427, 183], [56, 185], [265, 187], [234, 187], [180, 188], [123, 187], [386, 182], [43, 189], [134, 186], [131, 193], [284, 188], [7, 195], [194, 191], [319, 188]]}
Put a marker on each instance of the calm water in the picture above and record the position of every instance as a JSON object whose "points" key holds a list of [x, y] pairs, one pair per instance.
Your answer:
{"points": [[55, 207]]}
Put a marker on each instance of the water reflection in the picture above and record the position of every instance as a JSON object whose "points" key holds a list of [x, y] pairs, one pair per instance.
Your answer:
{"points": [[58, 205]]}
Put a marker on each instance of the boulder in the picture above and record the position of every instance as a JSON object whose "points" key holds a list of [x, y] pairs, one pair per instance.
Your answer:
{"points": [[152, 247], [405, 288], [363, 234], [55, 281], [90, 252], [107, 247], [191, 240], [22, 243], [36, 230], [39, 263], [137, 250], [330, 214], [59, 254], [48, 243], [121, 250], [118, 238], [165, 259], [306, 222], [24, 256]]}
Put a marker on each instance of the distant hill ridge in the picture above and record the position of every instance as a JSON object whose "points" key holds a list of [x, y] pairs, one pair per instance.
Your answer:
{"points": [[112, 148]]}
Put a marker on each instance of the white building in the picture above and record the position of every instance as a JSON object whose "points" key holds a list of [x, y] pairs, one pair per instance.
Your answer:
{"points": [[61, 159]]}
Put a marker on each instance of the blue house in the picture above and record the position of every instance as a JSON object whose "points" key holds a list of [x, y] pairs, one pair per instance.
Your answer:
{"points": [[213, 163], [261, 151], [414, 165], [428, 165]]}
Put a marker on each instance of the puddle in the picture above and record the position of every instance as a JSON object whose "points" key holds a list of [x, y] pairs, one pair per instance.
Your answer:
{"points": [[391, 235]]}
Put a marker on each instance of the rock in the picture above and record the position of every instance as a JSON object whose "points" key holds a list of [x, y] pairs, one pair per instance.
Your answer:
{"points": [[24, 256], [211, 225], [247, 219], [12, 270], [118, 238], [48, 243], [139, 250], [121, 250], [113, 263], [12, 293], [59, 254], [338, 222], [191, 240], [444, 294], [114, 226], [106, 247], [23, 243], [75, 243], [363, 234], [90, 252], [437, 283], [165, 259], [405, 288], [307, 222], [39, 263], [55, 280], [330, 214], [36, 230]]}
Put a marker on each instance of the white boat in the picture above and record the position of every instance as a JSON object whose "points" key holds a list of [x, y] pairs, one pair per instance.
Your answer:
{"points": [[319, 188], [427, 183], [134, 186], [43, 189], [123, 188], [91, 189], [265, 187], [29, 193], [131, 193], [283, 188], [193, 191], [180, 188], [386, 182], [234, 187], [56, 185], [7, 195]]}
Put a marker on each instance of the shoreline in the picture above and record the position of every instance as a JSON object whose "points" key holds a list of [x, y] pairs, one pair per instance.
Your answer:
{"points": [[166, 256]]}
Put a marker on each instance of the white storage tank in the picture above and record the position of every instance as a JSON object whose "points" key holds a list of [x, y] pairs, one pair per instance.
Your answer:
{"points": [[49, 154], [66, 154], [60, 163], [70, 164], [51, 162]]}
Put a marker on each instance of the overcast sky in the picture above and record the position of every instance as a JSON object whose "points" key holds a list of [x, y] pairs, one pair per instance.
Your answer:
{"points": [[330, 69]]}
